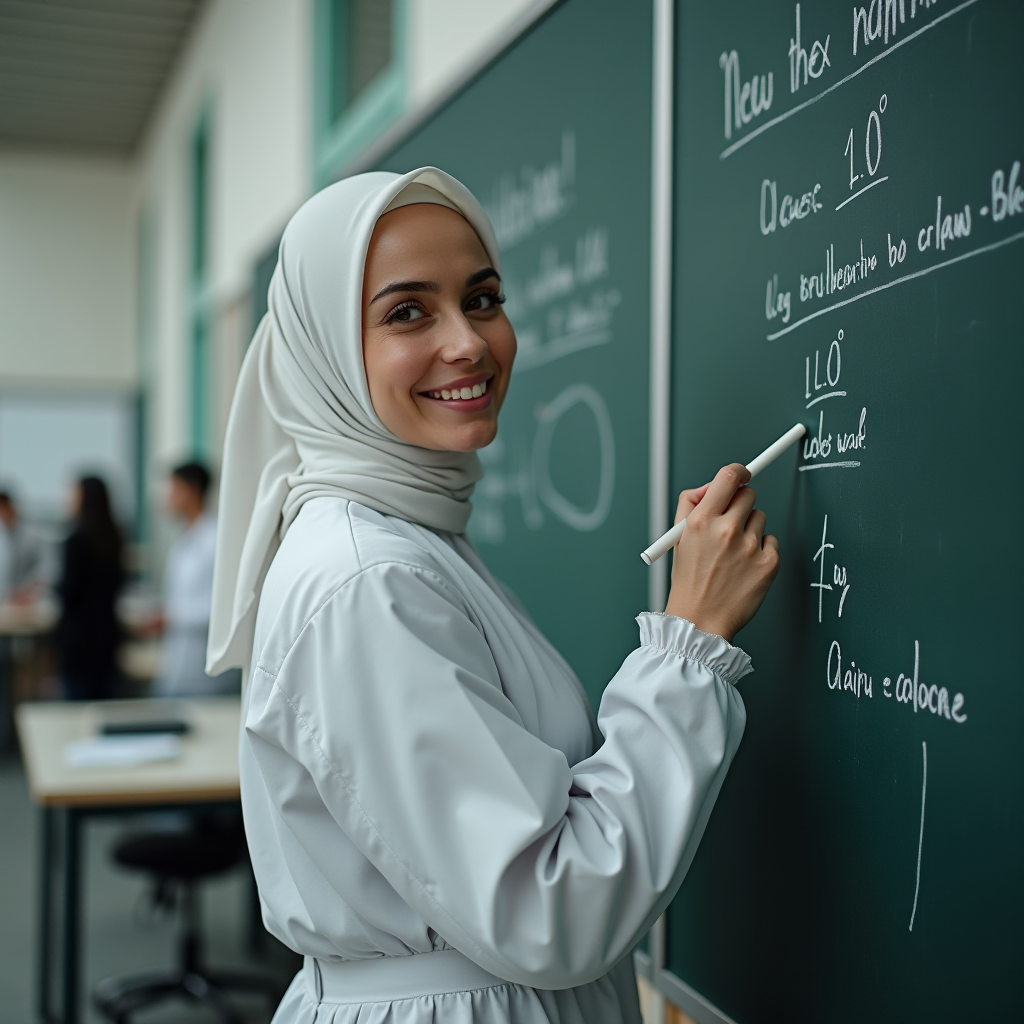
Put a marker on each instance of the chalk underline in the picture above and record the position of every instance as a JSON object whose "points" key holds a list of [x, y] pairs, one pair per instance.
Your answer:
{"points": [[729, 150], [899, 280], [829, 465], [821, 398], [877, 181]]}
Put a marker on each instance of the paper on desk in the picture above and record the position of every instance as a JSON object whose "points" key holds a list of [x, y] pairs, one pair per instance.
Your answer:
{"points": [[121, 751]]}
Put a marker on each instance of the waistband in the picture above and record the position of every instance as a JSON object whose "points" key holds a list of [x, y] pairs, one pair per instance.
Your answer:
{"points": [[388, 978]]}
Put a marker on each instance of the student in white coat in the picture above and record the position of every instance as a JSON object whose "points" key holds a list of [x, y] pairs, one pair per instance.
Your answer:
{"points": [[435, 818], [188, 588]]}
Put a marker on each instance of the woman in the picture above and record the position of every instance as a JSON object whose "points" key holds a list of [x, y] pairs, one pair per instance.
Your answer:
{"points": [[436, 821], [88, 633]]}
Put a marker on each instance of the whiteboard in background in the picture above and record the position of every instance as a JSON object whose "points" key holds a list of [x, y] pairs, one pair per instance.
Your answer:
{"points": [[46, 442]]}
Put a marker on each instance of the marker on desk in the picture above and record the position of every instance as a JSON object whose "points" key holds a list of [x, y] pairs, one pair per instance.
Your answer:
{"points": [[668, 540]]}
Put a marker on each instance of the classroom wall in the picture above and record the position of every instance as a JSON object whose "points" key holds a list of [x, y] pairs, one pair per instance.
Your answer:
{"points": [[444, 36], [247, 66], [67, 272]]}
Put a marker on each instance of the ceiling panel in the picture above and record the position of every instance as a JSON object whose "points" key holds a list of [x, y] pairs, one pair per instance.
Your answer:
{"points": [[85, 73]]}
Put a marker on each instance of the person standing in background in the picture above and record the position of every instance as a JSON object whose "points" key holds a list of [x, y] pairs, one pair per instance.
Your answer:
{"points": [[188, 586], [21, 553], [92, 574]]}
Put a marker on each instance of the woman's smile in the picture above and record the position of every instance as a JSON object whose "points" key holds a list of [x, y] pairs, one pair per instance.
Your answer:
{"points": [[468, 394]]}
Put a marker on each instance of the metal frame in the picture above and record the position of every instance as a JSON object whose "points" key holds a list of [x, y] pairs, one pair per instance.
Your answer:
{"points": [[662, 85], [652, 965], [67, 852]]}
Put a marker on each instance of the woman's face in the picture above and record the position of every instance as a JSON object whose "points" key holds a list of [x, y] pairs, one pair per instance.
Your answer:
{"points": [[437, 345]]}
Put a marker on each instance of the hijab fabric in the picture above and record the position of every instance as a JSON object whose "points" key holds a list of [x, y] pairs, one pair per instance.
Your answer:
{"points": [[301, 424]]}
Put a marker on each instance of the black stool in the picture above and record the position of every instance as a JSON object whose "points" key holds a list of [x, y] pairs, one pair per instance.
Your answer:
{"points": [[178, 861]]}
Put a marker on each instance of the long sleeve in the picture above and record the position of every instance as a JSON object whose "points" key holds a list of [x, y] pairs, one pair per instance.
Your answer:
{"points": [[545, 873]]}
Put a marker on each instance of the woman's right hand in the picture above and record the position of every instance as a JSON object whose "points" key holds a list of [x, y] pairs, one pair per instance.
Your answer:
{"points": [[723, 564]]}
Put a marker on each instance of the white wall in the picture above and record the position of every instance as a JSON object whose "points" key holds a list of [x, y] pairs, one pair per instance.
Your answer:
{"points": [[247, 63], [67, 272], [444, 36]]}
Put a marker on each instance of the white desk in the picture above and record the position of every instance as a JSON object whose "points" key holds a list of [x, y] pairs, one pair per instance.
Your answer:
{"points": [[206, 773]]}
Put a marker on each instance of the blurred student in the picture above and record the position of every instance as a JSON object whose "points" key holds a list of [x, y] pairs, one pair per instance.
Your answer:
{"points": [[92, 574], [188, 586], [21, 553]]}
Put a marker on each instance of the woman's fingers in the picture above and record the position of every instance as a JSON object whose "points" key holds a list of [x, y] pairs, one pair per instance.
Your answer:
{"points": [[756, 523], [728, 480], [741, 504], [689, 500]]}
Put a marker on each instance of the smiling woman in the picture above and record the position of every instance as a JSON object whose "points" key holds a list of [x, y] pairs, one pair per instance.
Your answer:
{"points": [[435, 818], [437, 345]]}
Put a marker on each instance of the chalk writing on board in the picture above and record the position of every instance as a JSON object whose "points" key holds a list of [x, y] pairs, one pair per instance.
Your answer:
{"points": [[910, 690], [837, 578], [872, 135], [775, 214], [520, 203], [916, 5], [829, 371], [1007, 194], [812, 63], [878, 20], [747, 100], [980, 251], [559, 307], [820, 444], [920, 834], [526, 472]]}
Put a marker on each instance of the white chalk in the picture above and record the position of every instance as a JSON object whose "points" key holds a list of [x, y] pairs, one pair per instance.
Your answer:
{"points": [[667, 541]]}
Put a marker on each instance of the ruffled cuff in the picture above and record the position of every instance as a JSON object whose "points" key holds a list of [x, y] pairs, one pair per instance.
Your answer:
{"points": [[682, 637]]}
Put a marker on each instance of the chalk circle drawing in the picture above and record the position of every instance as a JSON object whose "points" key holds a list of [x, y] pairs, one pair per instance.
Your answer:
{"points": [[522, 469], [582, 519], [920, 836]]}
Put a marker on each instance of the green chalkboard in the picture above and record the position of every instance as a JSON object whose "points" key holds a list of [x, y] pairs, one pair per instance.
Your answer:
{"points": [[864, 858], [554, 138]]}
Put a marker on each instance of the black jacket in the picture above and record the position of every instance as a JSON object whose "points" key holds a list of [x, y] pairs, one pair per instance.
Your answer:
{"points": [[88, 632]]}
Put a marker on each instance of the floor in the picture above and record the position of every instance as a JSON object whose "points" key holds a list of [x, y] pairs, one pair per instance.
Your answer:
{"points": [[119, 935]]}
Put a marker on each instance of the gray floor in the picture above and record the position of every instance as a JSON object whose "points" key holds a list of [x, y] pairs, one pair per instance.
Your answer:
{"points": [[118, 935]]}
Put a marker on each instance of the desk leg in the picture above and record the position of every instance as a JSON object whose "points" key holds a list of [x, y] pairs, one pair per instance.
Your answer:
{"points": [[46, 816], [69, 952]]}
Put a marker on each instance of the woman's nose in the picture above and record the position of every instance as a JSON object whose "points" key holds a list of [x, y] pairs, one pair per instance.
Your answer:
{"points": [[462, 342]]}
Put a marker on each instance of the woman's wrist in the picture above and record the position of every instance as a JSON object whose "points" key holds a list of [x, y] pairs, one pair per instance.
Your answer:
{"points": [[706, 624]]}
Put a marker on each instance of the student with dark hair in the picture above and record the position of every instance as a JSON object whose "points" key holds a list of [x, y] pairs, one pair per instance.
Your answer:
{"points": [[92, 574], [188, 583]]}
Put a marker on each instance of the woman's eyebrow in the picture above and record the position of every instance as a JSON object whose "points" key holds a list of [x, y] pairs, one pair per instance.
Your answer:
{"points": [[406, 286], [482, 275]]}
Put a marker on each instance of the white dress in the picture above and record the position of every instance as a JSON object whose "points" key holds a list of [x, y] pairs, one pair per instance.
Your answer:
{"points": [[421, 772]]}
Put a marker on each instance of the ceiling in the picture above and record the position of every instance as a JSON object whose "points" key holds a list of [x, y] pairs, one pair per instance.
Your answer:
{"points": [[85, 74]]}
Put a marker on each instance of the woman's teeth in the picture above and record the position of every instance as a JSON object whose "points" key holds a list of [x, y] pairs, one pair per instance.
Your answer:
{"points": [[460, 393]]}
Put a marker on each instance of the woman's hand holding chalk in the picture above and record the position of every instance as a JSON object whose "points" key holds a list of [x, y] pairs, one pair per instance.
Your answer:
{"points": [[668, 540]]}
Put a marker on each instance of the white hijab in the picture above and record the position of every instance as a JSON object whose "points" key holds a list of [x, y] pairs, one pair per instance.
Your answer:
{"points": [[302, 425]]}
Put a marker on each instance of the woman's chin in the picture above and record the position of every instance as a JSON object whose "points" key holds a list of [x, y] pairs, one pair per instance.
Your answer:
{"points": [[467, 437]]}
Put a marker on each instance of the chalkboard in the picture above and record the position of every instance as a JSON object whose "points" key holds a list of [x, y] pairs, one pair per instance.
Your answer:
{"points": [[554, 137], [850, 254]]}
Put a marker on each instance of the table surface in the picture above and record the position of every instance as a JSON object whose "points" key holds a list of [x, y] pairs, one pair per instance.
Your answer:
{"points": [[206, 770]]}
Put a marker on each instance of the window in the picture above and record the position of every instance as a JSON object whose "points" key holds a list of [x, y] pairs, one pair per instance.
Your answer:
{"points": [[360, 78], [361, 49]]}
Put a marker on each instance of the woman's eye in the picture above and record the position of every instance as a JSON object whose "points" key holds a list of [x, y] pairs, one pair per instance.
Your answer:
{"points": [[405, 314], [484, 301]]}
